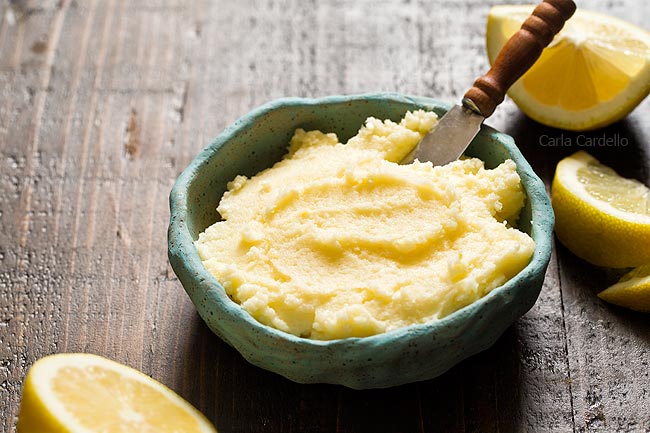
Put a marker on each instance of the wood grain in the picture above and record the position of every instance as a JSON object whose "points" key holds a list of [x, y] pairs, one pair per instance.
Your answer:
{"points": [[104, 102]]}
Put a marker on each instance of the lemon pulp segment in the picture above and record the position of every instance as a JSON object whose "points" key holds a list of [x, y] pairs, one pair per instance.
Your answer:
{"points": [[604, 184], [89, 395]]}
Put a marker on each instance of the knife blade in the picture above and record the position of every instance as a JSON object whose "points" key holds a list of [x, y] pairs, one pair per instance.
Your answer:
{"points": [[458, 127], [451, 136]]}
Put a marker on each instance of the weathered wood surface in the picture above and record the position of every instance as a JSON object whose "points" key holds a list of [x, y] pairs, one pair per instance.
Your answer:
{"points": [[104, 102]]}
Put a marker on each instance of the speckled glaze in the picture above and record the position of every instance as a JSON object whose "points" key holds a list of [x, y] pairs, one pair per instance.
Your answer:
{"points": [[415, 353]]}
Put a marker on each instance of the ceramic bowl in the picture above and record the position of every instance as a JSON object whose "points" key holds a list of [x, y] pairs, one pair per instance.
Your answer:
{"points": [[414, 353]]}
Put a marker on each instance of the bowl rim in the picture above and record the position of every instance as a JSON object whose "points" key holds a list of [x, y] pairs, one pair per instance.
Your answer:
{"points": [[182, 250]]}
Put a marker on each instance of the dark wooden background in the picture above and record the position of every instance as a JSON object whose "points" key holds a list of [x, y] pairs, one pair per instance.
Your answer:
{"points": [[104, 102]]}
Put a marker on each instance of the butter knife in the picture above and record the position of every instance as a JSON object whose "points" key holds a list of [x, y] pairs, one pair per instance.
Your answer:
{"points": [[458, 127]]}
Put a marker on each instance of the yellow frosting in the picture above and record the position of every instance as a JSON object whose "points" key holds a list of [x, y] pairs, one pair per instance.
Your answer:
{"points": [[338, 240]]}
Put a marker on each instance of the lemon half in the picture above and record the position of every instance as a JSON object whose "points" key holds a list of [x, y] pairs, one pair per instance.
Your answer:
{"points": [[600, 216], [81, 393], [596, 70]]}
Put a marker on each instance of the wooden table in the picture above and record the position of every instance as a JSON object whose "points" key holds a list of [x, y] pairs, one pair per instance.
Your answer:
{"points": [[104, 102]]}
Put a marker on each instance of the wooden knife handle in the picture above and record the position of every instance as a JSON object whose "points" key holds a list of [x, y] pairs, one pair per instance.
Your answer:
{"points": [[518, 55]]}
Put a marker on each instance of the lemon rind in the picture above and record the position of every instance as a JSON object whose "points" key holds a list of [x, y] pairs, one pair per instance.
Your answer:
{"points": [[624, 292]]}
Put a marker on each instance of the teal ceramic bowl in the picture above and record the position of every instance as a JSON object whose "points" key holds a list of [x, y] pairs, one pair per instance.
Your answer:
{"points": [[414, 353]]}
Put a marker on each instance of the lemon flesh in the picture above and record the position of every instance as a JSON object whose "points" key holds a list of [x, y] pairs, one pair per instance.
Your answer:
{"points": [[632, 291], [596, 70], [599, 215], [81, 393]]}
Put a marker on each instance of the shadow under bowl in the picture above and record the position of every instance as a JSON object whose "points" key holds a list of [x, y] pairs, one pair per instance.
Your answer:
{"points": [[419, 352]]}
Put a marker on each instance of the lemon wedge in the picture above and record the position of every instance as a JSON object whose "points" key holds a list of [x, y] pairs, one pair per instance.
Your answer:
{"points": [[632, 291], [81, 393], [596, 70], [599, 215]]}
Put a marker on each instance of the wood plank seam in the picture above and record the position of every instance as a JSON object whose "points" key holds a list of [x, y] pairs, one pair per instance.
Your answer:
{"points": [[566, 335]]}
